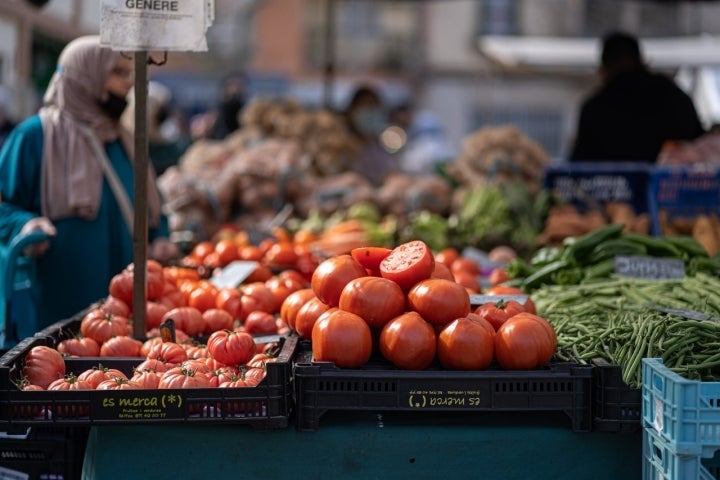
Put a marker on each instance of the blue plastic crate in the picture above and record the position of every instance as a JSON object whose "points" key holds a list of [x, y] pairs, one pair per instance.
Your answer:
{"points": [[683, 192], [660, 463], [590, 185], [685, 413]]}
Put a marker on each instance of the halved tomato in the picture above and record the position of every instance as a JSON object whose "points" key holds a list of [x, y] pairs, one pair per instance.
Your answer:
{"points": [[408, 264], [370, 257]]}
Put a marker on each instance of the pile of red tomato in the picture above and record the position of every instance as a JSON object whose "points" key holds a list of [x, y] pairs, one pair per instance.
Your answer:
{"points": [[406, 304]]}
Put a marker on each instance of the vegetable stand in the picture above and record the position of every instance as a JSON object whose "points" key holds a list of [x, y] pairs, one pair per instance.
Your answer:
{"points": [[366, 445]]}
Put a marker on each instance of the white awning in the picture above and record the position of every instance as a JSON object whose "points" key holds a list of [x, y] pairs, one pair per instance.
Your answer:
{"points": [[583, 54]]}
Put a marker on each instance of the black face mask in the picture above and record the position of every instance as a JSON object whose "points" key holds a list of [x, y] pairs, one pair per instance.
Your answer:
{"points": [[114, 106]]}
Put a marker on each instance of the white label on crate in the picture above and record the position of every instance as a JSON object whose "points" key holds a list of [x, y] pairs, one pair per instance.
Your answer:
{"points": [[7, 474], [234, 274], [658, 420]]}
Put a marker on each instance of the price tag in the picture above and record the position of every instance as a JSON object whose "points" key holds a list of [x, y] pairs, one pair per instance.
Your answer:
{"points": [[234, 274], [481, 299], [687, 313], [649, 267]]}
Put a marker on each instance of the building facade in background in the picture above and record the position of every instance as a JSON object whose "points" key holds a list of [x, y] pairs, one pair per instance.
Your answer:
{"points": [[471, 63]]}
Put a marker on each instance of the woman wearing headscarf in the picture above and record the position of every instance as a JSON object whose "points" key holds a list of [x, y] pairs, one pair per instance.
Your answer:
{"points": [[54, 178]]}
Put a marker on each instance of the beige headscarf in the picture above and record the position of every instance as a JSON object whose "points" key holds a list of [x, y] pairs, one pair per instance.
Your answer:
{"points": [[72, 177]]}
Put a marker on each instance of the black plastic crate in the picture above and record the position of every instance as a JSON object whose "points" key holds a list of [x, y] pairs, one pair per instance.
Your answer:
{"points": [[379, 386], [265, 406], [616, 407], [43, 454]]}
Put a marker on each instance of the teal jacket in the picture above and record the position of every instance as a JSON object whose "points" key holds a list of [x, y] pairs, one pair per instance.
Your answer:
{"points": [[85, 254]]}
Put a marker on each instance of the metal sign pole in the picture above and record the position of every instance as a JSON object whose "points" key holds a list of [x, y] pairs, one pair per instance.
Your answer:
{"points": [[140, 228]]}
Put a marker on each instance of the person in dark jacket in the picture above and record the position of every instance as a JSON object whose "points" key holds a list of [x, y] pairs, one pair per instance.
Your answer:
{"points": [[634, 112]]}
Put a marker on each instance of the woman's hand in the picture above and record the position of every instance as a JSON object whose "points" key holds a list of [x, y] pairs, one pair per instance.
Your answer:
{"points": [[38, 224], [164, 250]]}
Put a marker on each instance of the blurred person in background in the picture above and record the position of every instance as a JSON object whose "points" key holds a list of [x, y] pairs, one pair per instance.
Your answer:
{"points": [[167, 138], [225, 118], [54, 178], [366, 119], [420, 142], [6, 122], [634, 112]]}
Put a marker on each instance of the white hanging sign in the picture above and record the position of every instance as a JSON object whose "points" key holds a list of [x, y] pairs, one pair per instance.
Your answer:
{"points": [[171, 25]]}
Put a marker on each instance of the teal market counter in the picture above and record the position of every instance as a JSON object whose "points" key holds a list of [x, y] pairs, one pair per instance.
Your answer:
{"points": [[362, 445]]}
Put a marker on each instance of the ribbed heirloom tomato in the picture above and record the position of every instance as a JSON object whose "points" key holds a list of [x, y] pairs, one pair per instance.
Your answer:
{"points": [[121, 346], [43, 365], [343, 338], [439, 301], [231, 347], [408, 341], [376, 300], [408, 264], [79, 347]]}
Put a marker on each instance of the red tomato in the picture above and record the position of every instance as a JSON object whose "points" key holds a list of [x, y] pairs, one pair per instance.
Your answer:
{"points": [[497, 276], [117, 383], [464, 344], [202, 299], [529, 305], [281, 254], [447, 256], [442, 271], [484, 323], [217, 319], [79, 347], [263, 298], [146, 379], [101, 326], [331, 276], [408, 264], [468, 280], [188, 319], [71, 382], [121, 346], [290, 307], [308, 314], [376, 300], [496, 313], [439, 301], [95, 376], [154, 312], [167, 352], [231, 347], [116, 306], [43, 365], [463, 264], [228, 299], [408, 341], [342, 338], [180, 377], [227, 251], [370, 257], [121, 287], [524, 342], [154, 365], [260, 323], [279, 288]]}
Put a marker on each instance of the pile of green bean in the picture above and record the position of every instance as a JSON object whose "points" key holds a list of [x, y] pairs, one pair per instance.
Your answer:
{"points": [[623, 320]]}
